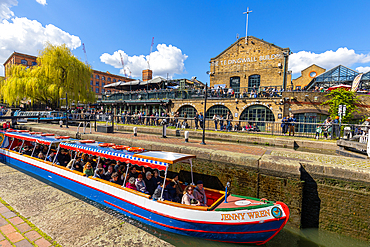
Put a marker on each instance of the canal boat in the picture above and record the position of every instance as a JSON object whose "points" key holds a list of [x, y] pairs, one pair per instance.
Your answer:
{"points": [[226, 217]]}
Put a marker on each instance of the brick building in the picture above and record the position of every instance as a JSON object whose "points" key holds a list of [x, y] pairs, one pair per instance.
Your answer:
{"points": [[98, 78], [307, 75], [255, 63]]}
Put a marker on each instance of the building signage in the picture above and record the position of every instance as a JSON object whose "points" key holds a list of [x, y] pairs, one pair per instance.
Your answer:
{"points": [[246, 60]]}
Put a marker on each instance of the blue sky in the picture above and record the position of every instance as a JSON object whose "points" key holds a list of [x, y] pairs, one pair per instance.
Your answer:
{"points": [[186, 33]]}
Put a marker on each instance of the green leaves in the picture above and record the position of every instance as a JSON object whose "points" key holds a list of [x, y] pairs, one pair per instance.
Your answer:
{"points": [[58, 72], [342, 97]]}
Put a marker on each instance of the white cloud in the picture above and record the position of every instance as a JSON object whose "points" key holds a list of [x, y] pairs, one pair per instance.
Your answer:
{"points": [[328, 59], [29, 36], [42, 2], [5, 5], [166, 59], [363, 69]]}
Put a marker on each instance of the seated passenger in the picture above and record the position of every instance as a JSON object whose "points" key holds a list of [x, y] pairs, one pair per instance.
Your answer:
{"points": [[99, 173], [78, 165], [115, 179], [27, 150], [157, 179], [92, 162], [179, 190], [172, 195], [200, 194], [51, 157], [45, 150], [41, 156], [133, 172], [131, 183], [109, 173], [188, 198], [140, 185], [64, 157], [149, 183], [88, 170]]}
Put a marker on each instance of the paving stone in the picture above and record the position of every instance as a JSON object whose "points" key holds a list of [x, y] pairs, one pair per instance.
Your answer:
{"points": [[1, 237], [15, 237], [4, 209], [42, 242], [23, 243], [32, 235], [7, 229], [9, 214], [16, 221], [5, 243], [3, 222], [24, 227]]}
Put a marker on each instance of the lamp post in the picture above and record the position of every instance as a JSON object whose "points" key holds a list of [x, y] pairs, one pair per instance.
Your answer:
{"points": [[66, 110], [204, 117]]}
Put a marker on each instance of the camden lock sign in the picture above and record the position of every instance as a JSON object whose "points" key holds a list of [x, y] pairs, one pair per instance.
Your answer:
{"points": [[247, 60]]}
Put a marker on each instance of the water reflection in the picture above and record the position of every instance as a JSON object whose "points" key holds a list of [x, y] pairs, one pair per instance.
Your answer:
{"points": [[288, 237]]}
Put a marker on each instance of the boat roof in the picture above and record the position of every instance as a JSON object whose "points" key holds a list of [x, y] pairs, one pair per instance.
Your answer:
{"points": [[36, 137], [153, 159]]}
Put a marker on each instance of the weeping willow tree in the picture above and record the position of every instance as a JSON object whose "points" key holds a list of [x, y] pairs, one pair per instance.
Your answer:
{"points": [[58, 72]]}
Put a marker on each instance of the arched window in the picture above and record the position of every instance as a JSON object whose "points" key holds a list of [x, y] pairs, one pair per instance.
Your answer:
{"points": [[219, 110], [254, 81], [188, 109], [257, 114], [235, 83]]}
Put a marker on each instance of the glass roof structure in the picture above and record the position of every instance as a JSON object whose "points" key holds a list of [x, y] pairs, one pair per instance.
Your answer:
{"points": [[339, 75]]}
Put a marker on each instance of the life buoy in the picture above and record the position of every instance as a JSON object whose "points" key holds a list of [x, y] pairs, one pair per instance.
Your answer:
{"points": [[10, 130], [104, 145], [120, 147], [62, 137], [47, 134], [35, 133], [87, 141], [23, 131], [135, 149]]}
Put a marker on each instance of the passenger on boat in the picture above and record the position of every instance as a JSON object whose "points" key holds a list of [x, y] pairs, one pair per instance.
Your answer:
{"points": [[88, 170], [64, 157], [38, 149], [85, 158], [78, 165], [99, 173], [179, 190], [188, 197], [44, 150], [131, 183], [133, 172], [27, 150], [92, 161], [41, 156], [157, 178], [109, 173], [115, 179], [149, 183], [51, 157], [200, 194], [172, 195], [140, 185]]}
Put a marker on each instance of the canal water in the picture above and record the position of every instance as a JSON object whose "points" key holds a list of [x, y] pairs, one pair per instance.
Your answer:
{"points": [[288, 237]]}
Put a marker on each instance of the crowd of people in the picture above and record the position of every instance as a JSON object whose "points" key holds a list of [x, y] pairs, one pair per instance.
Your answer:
{"points": [[146, 181], [254, 92]]}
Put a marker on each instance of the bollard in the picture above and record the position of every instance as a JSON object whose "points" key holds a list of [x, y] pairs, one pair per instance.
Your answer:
{"points": [[186, 134], [61, 123], [164, 134], [135, 131]]}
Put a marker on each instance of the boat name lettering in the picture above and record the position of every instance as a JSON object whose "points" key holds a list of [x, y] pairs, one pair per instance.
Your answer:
{"points": [[238, 216], [259, 214]]}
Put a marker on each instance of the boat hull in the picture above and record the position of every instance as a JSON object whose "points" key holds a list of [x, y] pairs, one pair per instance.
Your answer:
{"points": [[191, 223]]}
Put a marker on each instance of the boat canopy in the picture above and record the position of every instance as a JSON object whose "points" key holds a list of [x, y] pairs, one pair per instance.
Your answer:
{"points": [[37, 137], [153, 159]]}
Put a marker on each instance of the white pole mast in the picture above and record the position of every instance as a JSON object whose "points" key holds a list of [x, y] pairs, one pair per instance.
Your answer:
{"points": [[246, 26]]}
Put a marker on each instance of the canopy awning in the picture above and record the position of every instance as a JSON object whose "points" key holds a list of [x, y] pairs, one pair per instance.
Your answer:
{"points": [[110, 153], [38, 138], [167, 157], [345, 87]]}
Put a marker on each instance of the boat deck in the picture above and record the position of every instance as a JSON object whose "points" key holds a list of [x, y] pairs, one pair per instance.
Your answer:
{"points": [[238, 202]]}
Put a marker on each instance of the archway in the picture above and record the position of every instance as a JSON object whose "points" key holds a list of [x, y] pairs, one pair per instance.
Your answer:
{"points": [[258, 114], [219, 110], [188, 109]]}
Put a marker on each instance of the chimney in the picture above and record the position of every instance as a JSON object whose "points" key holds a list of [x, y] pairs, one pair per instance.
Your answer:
{"points": [[147, 74]]}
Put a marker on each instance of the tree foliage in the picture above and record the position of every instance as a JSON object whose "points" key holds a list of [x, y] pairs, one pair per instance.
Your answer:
{"points": [[341, 96], [58, 72]]}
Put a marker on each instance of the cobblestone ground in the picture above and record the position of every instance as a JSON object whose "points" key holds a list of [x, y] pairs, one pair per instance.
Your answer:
{"points": [[17, 231]]}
